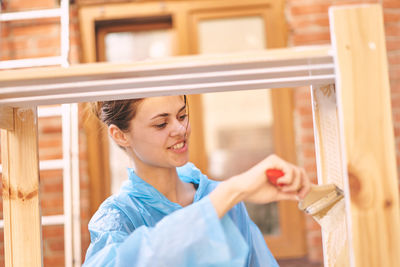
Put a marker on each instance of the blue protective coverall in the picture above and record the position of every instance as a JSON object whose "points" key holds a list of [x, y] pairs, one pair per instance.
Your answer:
{"points": [[140, 227]]}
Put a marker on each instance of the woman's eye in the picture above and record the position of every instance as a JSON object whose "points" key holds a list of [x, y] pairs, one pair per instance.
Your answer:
{"points": [[182, 117], [160, 126]]}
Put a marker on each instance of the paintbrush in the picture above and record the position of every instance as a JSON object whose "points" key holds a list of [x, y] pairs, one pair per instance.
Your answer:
{"points": [[318, 201]]}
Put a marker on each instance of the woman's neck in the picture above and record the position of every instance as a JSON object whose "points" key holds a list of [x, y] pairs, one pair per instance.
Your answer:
{"points": [[167, 182]]}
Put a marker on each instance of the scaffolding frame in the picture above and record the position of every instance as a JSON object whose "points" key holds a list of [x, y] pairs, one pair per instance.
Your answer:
{"points": [[358, 86], [69, 116]]}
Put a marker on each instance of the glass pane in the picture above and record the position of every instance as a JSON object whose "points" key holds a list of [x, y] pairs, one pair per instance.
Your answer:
{"points": [[238, 125], [231, 35], [128, 46], [132, 46]]}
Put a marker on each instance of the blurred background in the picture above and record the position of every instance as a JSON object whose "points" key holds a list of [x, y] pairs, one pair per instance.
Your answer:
{"points": [[231, 131]]}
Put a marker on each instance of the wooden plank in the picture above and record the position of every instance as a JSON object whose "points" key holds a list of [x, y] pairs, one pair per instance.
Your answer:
{"points": [[22, 228], [329, 166], [6, 118], [275, 57], [174, 76], [369, 162]]}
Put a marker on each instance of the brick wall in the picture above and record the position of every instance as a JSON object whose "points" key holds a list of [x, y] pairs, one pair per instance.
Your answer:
{"points": [[309, 25], [39, 38]]}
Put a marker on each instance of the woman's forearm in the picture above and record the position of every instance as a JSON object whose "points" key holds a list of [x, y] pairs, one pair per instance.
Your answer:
{"points": [[226, 195]]}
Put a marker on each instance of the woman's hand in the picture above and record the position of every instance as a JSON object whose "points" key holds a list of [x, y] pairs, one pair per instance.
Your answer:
{"points": [[253, 185], [293, 185]]}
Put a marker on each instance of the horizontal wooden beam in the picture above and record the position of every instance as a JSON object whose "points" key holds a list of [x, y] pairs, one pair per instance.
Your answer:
{"points": [[275, 68]]}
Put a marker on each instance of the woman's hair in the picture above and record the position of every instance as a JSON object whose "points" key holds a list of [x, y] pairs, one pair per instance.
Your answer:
{"points": [[117, 112]]}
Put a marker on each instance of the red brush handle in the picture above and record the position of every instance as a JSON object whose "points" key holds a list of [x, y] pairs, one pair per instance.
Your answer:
{"points": [[273, 175]]}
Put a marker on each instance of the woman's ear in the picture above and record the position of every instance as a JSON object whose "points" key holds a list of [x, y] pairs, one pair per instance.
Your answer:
{"points": [[118, 136]]}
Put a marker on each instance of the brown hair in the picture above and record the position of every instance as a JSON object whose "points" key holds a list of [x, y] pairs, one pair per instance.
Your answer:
{"points": [[117, 112]]}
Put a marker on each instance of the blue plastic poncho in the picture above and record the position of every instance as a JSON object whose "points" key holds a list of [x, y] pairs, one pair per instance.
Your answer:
{"points": [[140, 227]]}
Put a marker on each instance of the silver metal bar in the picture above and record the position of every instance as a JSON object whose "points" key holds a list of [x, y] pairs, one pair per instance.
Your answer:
{"points": [[32, 14], [152, 81], [56, 164], [128, 91], [64, 32], [46, 220], [30, 62], [44, 112]]}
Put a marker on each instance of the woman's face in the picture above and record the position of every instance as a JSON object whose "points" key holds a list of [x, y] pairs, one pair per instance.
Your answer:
{"points": [[159, 133]]}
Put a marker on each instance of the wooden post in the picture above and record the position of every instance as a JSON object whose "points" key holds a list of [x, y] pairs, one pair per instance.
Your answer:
{"points": [[22, 226], [369, 160], [329, 163]]}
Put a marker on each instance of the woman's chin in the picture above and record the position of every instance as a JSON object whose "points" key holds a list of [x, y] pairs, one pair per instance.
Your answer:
{"points": [[180, 163]]}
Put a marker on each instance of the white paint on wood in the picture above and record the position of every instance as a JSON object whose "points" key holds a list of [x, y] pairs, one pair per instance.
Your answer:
{"points": [[329, 166]]}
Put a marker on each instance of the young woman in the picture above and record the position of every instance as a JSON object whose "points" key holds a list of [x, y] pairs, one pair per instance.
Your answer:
{"points": [[168, 213]]}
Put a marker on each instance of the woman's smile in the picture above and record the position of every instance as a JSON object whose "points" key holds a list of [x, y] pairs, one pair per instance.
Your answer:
{"points": [[179, 147]]}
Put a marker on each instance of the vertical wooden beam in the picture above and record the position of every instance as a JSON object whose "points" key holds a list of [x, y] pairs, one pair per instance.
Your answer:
{"points": [[22, 226], [372, 197], [329, 164]]}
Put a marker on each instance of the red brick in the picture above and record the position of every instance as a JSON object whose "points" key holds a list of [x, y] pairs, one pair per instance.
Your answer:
{"points": [[23, 5], [50, 41], [55, 244], [307, 138], [36, 30], [50, 174], [394, 59], [391, 4], [37, 53], [22, 44], [309, 9], [394, 73], [54, 261], [310, 167], [53, 231], [305, 110], [307, 124], [391, 17], [52, 203], [393, 44], [311, 38], [52, 188], [392, 30], [48, 154], [54, 140], [310, 22], [308, 152]]}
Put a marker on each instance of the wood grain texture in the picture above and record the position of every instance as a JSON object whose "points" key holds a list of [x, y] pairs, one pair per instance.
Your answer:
{"points": [[22, 226], [7, 118], [372, 196]]}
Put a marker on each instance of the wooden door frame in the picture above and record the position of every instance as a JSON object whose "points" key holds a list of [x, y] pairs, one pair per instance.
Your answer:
{"points": [[291, 241]]}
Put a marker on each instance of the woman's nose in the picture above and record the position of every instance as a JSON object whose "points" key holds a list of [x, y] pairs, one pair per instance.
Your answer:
{"points": [[179, 128]]}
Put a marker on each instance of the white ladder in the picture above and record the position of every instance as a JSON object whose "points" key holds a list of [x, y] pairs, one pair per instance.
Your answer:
{"points": [[63, 13], [69, 115]]}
